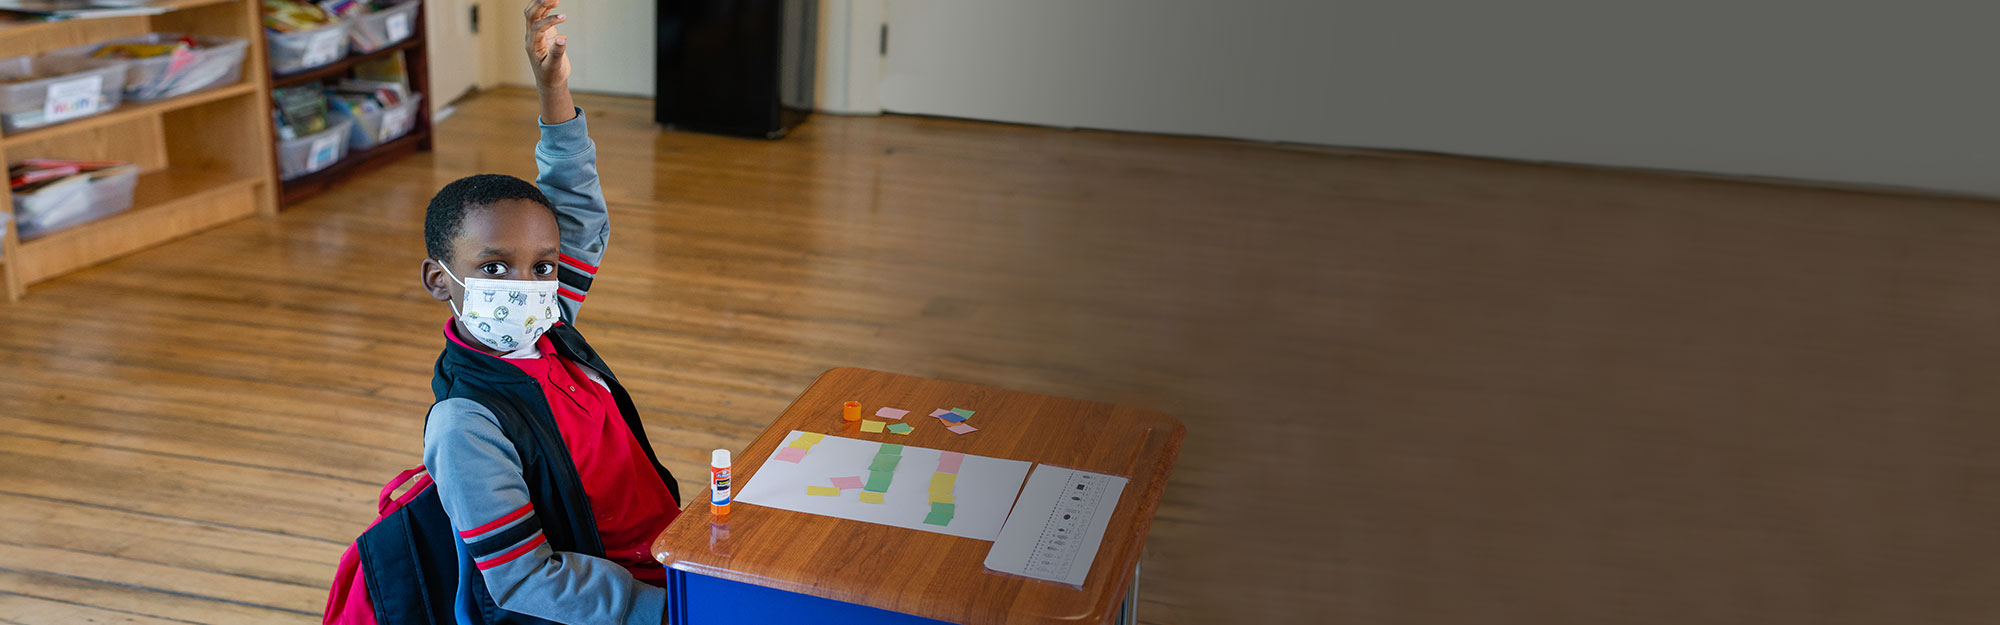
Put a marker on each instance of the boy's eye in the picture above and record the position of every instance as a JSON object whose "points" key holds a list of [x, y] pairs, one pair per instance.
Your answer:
{"points": [[494, 269], [543, 269]]}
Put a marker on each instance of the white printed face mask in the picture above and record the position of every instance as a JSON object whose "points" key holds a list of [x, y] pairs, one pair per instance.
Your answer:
{"points": [[506, 314]]}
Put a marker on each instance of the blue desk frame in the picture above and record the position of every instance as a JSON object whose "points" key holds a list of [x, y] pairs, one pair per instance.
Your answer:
{"points": [[696, 599]]}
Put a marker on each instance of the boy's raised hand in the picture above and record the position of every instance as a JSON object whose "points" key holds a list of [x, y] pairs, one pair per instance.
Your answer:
{"points": [[546, 57], [546, 46]]}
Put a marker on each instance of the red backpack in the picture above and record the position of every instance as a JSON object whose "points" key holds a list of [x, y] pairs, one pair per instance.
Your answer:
{"points": [[403, 569]]}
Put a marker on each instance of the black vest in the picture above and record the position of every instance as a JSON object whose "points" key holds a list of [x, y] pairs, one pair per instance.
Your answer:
{"points": [[523, 411]]}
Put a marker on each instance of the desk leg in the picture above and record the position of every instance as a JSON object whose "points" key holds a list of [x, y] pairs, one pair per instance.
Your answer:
{"points": [[1128, 610]]}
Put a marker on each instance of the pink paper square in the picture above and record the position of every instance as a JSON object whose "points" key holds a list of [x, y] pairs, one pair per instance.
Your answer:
{"points": [[790, 454], [891, 413], [948, 463], [845, 483], [962, 428]]}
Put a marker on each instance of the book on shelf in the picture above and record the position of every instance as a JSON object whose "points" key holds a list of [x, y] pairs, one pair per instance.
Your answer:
{"points": [[47, 10]]}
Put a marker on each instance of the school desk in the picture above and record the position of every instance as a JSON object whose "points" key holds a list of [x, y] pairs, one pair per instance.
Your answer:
{"points": [[769, 565]]}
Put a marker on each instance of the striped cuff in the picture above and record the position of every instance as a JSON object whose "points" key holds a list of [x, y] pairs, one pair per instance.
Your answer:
{"points": [[505, 539], [511, 554], [575, 276]]}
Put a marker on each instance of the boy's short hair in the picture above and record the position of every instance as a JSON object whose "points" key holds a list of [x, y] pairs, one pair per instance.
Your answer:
{"points": [[446, 215]]}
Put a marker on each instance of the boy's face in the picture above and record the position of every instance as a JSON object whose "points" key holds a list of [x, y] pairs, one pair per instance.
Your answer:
{"points": [[505, 240]]}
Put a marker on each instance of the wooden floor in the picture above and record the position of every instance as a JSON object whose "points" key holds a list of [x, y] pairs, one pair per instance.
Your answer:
{"points": [[1418, 390]]}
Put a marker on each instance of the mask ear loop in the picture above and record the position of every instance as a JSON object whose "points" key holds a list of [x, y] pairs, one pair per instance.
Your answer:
{"points": [[454, 280]]}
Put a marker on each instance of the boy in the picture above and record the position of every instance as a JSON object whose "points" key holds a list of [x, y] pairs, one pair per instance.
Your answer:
{"points": [[539, 457]]}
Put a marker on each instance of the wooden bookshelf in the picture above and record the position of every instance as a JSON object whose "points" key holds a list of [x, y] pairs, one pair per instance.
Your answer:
{"points": [[167, 205], [204, 158], [416, 61]]}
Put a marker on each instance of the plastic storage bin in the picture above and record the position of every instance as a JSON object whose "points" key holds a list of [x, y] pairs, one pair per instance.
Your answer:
{"points": [[373, 129], [307, 49], [218, 62], [313, 152], [71, 88], [384, 28], [65, 205]]}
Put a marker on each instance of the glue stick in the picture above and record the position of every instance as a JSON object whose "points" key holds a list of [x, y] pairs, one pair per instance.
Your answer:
{"points": [[851, 411], [718, 484]]}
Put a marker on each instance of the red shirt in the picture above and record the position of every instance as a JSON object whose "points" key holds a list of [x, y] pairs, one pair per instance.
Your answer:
{"points": [[629, 501]]}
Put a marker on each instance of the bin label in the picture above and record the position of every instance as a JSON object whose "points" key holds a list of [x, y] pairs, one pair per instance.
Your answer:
{"points": [[398, 26], [70, 99], [395, 122], [324, 151], [322, 48]]}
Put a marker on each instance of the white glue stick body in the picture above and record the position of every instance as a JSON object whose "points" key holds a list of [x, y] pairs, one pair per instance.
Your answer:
{"points": [[718, 484]]}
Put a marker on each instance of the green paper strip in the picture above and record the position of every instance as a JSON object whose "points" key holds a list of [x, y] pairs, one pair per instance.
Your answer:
{"points": [[890, 450], [963, 412], [884, 463], [941, 514], [878, 481]]}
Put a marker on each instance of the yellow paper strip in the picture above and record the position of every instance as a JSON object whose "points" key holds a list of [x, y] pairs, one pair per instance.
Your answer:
{"points": [[941, 498], [871, 426], [868, 497], [823, 491], [806, 440], [942, 483]]}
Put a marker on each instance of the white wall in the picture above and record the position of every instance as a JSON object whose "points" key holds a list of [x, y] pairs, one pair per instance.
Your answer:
{"points": [[611, 45], [448, 27], [1882, 93], [850, 64]]}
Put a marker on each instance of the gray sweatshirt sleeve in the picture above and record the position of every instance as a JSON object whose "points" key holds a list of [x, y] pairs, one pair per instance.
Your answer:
{"points": [[566, 170], [478, 476]]}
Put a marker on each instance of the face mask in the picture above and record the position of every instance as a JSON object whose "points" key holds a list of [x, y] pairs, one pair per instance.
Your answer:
{"points": [[506, 314]]}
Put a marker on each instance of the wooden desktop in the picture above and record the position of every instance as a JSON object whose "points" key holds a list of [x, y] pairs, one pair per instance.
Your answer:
{"points": [[767, 562]]}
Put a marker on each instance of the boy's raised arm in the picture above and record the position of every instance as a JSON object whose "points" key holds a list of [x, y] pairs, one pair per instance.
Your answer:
{"points": [[566, 160]]}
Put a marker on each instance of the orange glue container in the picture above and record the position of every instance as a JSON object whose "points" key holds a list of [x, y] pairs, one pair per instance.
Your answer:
{"points": [[718, 484], [851, 411]]}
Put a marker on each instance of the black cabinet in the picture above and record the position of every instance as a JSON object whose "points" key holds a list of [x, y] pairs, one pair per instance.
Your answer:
{"points": [[742, 67]]}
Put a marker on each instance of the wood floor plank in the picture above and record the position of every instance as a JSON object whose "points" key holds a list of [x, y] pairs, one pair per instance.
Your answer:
{"points": [[86, 596], [271, 456], [166, 578], [26, 610], [57, 395], [277, 502], [83, 407], [161, 540]]}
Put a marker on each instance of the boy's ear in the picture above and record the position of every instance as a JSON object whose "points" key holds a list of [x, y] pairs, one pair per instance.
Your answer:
{"points": [[435, 282]]}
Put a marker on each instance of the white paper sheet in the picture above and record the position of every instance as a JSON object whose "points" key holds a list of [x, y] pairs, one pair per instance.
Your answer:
{"points": [[1054, 532], [984, 490]]}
